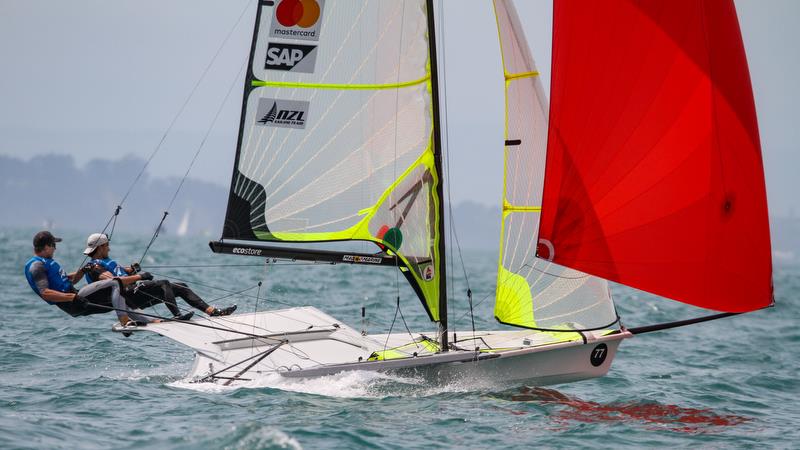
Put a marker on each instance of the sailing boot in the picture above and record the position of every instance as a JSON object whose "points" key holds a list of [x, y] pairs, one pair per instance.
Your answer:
{"points": [[223, 311], [185, 316]]}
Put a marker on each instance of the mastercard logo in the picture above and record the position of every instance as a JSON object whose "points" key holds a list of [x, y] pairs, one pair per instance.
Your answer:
{"points": [[301, 13]]}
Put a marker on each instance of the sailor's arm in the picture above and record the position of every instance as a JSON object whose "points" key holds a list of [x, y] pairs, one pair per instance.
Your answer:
{"points": [[39, 275], [130, 279], [57, 297], [76, 276]]}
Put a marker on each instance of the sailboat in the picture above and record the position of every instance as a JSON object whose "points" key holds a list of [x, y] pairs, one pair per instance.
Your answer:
{"points": [[183, 228], [645, 169]]}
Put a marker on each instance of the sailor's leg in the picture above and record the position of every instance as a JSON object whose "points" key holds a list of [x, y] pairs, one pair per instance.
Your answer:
{"points": [[169, 297], [188, 295], [100, 295], [150, 293], [121, 307]]}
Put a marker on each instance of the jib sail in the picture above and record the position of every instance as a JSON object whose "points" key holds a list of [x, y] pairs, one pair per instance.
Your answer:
{"points": [[531, 292]]}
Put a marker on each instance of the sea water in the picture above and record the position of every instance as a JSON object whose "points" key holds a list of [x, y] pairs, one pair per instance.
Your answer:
{"points": [[72, 383]]}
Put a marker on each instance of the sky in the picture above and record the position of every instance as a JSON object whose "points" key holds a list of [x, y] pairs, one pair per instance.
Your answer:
{"points": [[105, 79]]}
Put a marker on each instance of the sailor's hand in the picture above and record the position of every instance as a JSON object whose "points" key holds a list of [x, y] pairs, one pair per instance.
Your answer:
{"points": [[145, 276], [79, 301], [136, 268], [89, 267]]}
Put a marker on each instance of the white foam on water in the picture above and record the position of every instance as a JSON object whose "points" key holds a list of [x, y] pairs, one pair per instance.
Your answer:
{"points": [[350, 384], [265, 438]]}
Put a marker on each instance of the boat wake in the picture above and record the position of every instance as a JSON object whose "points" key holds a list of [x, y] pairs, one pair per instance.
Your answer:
{"points": [[351, 384]]}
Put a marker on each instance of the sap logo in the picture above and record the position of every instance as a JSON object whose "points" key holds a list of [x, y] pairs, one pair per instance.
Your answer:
{"points": [[294, 57], [282, 113]]}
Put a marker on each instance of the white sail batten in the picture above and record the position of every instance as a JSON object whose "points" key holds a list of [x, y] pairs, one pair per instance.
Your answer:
{"points": [[531, 292]]}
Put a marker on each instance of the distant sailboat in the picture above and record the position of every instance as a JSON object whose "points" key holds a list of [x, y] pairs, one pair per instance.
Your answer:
{"points": [[648, 173], [183, 227]]}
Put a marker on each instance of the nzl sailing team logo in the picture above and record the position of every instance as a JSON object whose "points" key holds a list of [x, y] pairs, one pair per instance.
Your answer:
{"points": [[297, 19], [291, 57], [282, 113]]}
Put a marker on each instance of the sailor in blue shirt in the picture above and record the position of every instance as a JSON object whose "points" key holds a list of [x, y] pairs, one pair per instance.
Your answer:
{"points": [[143, 294], [49, 281]]}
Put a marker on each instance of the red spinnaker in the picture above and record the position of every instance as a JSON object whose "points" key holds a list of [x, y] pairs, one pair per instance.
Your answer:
{"points": [[654, 175]]}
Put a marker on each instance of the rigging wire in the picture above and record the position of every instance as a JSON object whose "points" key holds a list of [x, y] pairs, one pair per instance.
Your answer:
{"points": [[186, 102], [194, 159], [112, 221], [453, 232], [161, 275], [394, 175], [297, 352], [255, 310], [192, 266]]}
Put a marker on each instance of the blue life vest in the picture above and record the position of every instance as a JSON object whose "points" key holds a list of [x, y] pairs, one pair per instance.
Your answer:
{"points": [[57, 279], [109, 265]]}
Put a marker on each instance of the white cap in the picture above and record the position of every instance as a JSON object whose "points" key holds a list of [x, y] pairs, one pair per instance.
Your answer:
{"points": [[94, 241]]}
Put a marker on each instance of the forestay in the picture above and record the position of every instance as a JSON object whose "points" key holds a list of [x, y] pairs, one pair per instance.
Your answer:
{"points": [[336, 135], [532, 292]]}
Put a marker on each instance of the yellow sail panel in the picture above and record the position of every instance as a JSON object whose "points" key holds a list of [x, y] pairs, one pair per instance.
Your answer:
{"points": [[514, 299], [532, 292]]}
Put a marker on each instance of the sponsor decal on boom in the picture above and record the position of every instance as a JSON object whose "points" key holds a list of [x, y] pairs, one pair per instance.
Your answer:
{"points": [[297, 19], [362, 259], [246, 251]]}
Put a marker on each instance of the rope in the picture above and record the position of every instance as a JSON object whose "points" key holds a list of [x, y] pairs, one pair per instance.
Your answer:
{"points": [[255, 310], [191, 165], [446, 153], [404, 321], [471, 315], [114, 223], [396, 311], [391, 327], [192, 266], [218, 319], [160, 300], [169, 129], [169, 319], [155, 235], [201, 265], [185, 103], [216, 287]]}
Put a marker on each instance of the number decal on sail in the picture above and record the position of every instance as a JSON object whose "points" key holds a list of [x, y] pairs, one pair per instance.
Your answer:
{"points": [[598, 355]]}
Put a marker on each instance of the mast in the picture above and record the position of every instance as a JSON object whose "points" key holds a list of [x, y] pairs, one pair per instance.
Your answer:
{"points": [[437, 155]]}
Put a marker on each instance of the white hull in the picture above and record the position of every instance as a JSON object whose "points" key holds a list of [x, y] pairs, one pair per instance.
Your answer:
{"points": [[304, 342]]}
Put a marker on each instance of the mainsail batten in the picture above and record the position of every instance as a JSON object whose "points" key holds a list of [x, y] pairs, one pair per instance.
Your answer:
{"points": [[338, 127], [654, 171]]}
